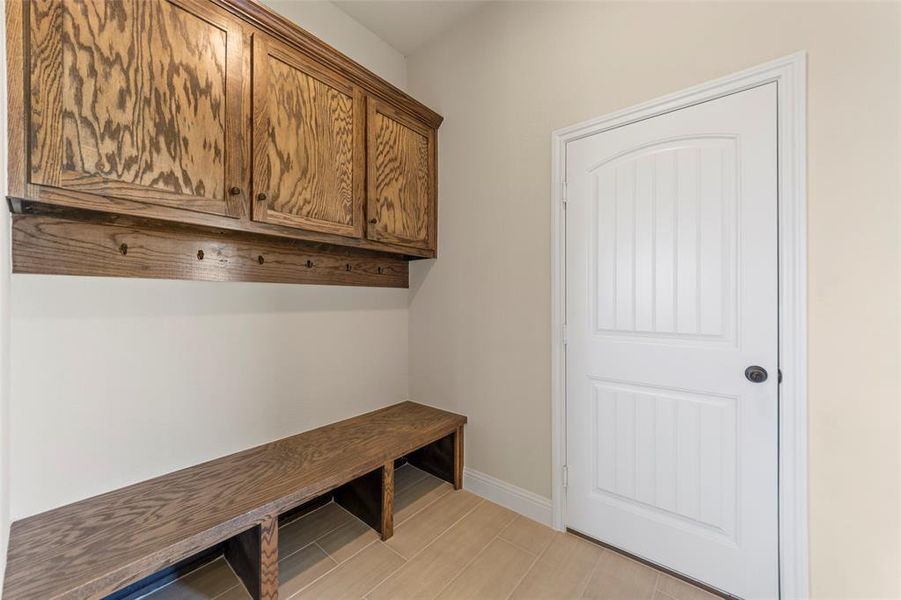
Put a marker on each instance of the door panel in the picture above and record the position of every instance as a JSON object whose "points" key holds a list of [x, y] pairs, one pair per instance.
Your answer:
{"points": [[667, 455], [666, 225], [671, 294], [308, 143], [401, 203], [137, 99]]}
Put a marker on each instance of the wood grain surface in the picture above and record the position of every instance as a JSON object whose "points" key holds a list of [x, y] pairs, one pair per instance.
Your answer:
{"points": [[269, 558], [54, 200], [308, 144], [16, 95], [96, 546], [63, 246], [135, 99], [285, 30], [401, 175], [113, 107], [458, 459], [387, 525]]}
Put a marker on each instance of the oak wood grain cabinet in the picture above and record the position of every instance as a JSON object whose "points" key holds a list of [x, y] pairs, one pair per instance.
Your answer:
{"points": [[137, 100], [216, 117], [402, 183], [308, 143]]}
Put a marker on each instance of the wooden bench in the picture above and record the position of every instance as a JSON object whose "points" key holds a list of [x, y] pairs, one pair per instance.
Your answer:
{"points": [[97, 546]]}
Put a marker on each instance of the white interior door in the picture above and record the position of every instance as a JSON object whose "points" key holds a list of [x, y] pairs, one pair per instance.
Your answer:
{"points": [[671, 275]]}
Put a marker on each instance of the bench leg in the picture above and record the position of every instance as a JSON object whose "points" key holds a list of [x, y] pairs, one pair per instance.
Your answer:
{"points": [[458, 459], [269, 559], [387, 500], [253, 555]]}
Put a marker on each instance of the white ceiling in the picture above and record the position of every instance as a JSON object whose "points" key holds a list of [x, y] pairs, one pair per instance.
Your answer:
{"points": [[408, 24]]}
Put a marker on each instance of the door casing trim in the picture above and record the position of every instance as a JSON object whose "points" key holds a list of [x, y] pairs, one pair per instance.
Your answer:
{"points": [[790, 74]]}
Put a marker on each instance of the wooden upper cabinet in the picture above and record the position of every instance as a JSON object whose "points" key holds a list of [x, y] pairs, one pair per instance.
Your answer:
{"points": [[308, 143], [401, 195], [217, 115], [136, 99]]}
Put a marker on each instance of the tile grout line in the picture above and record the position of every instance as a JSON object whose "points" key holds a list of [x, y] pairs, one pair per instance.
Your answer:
{"points": [[473, 559], [406, 560], [305, 515], [418, 479], [516, 545], [443, 531], [393, 550], [423, 549], [424, 507], [240, 582], [335, 566], [233, 587], [448, 528], [583, 585], [316, 539], [529, 570], [293, 552], [657, 584], [329, 532]]}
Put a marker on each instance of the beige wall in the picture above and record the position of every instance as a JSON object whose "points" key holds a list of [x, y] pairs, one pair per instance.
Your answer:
{"points": [[479, 315], [117, 380]]}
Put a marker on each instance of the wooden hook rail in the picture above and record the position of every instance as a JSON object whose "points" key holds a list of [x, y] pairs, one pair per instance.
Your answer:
{"points": [[84, 245]]}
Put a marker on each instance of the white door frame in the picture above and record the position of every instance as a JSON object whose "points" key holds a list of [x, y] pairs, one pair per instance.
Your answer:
{"points": [[790, 74]]}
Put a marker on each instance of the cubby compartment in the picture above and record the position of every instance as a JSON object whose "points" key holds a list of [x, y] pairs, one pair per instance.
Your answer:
{"points": [[211, 573], [321, 544]]}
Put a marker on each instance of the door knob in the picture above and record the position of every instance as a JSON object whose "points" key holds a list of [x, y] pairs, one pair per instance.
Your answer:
{"points": [[756, 374]]}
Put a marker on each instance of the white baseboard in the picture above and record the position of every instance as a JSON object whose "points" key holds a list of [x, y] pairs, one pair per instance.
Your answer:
{"points": [[524, 502]]}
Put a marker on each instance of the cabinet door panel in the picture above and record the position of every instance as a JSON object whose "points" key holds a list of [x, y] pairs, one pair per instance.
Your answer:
{"points": [[401, 199], [308, 144], [137, 99]]}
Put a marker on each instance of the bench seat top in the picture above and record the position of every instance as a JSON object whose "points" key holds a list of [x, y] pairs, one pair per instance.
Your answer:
{"points": [[101, 544]]}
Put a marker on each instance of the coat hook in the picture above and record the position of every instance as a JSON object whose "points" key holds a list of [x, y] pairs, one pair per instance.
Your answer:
{"points": [[309, 264], [347, 266], [200, 255], [123, 248], [380, 270], [260, 259]]}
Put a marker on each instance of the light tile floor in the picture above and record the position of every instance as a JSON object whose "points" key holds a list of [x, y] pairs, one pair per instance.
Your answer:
{"points": [[447, 545]]}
